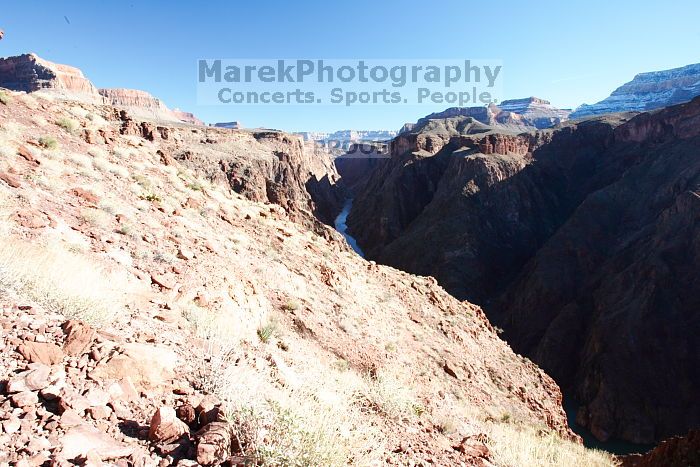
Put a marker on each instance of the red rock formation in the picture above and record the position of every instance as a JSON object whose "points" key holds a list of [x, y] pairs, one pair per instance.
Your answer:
{"points": [[679, 451], [145, 105], [29, 73]]}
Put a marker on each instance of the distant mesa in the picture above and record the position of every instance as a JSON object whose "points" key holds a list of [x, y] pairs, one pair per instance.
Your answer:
{"points": [[232, 125], [648, 91], [343, 139], [517, 114], [30, 73]]}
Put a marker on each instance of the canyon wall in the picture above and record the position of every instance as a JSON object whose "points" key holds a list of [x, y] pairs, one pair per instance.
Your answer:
{"points": [[580, 241]]}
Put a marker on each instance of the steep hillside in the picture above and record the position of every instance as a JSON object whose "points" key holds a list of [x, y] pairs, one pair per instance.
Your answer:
{"points": [[580, 242], [164, 300]]}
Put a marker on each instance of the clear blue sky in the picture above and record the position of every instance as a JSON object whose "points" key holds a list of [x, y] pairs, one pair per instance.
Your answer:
{"points": [[565, 51]]}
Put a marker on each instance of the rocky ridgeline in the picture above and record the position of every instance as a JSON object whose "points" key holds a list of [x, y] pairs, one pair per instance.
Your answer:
{"points": [[30, 73], [648, 91], [511, 115]]}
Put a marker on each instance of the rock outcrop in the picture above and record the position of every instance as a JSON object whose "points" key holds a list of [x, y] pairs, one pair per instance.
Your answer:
{"points": [[679, 451], [264, 166], [235, 125], [144, 105], [537, 112], [30, 73], [648, 91], [580, 241], [514, 115]]}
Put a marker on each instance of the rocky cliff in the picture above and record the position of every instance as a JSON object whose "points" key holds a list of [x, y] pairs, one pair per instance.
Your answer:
{"points": [[262, 165], [648, 91], [514, 115], [537, 112], [30, 73], [581, 243]]}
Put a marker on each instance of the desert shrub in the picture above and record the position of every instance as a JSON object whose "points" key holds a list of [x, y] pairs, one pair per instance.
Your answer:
{"points": [[125, 229], [48, 142], [80, 160], [4, 98], [95, 217], [68, 124], [267, 331], [119, 171], [152, 197], [290, 439], [388, 395], [291, 305], [195, 186]]}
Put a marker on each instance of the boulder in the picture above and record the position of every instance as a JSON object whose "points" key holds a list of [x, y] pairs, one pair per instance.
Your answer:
{"points": [[214, 443], [79, 337], [147, 366], [80, 440], [166, 427], [41, 352]]}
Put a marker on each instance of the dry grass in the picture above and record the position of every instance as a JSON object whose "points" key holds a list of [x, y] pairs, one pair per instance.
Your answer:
{"points": [[388, 395], [313, 423], [68, 124], [60, 281], [48, 142], [514, 445]]}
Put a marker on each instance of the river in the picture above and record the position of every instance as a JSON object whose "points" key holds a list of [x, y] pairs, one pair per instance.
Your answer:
{"points": [[342, 227]]}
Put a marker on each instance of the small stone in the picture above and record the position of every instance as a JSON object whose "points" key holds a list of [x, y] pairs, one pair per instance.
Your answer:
{"points": [[185, 253], [24, 399], [52, 391], [37, 378], [17, 384], [97, 397], [80, 440], [10, 180], [100, 412], [73, 401], [186, 413], [11, 425], [70, 418], [164, 281], [27, 155]]}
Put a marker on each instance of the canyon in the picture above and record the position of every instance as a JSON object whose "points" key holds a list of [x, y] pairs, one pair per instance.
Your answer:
{"points": [[172, 294], [176, 294], [580, 241]]}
